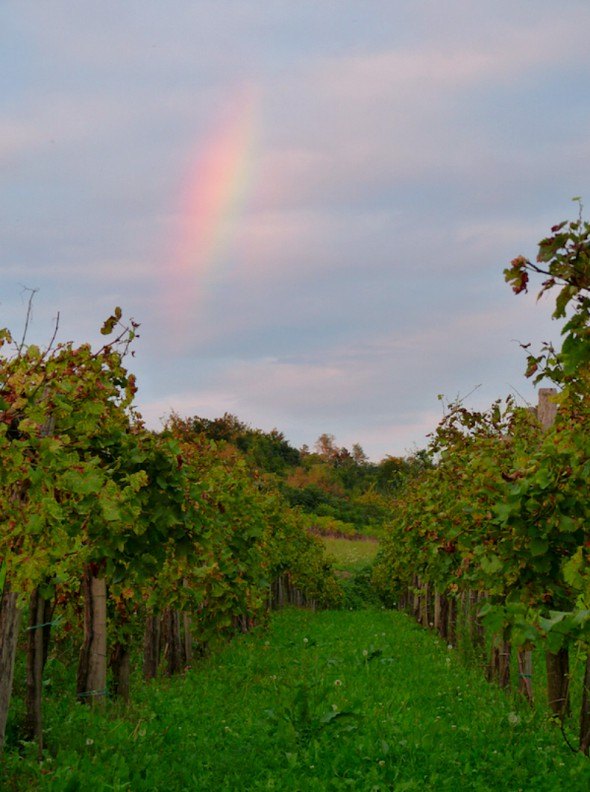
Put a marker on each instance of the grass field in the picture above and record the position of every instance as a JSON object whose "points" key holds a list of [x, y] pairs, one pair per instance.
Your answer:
{"points": [[363, 700], [350, 555]]}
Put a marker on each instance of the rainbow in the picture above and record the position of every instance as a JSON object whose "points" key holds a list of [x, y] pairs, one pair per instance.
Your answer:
{"points": [[212, 198]]}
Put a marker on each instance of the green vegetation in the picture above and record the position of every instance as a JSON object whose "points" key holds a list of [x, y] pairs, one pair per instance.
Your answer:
{"points": [[326, 701], [119, 544], [118, 537], [352, 560], [350, 555], [338, 492], [497, 529]]}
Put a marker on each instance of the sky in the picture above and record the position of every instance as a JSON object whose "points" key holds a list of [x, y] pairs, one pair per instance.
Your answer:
{"points": [[307, 206]]}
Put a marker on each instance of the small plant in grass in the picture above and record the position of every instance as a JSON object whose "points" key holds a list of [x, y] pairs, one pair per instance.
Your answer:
{"points": [[309, 713]]}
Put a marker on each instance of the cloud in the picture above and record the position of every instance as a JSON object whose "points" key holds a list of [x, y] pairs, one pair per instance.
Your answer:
{"points": [[404, 155], [353, 130], [354, 390], [16, 138]]}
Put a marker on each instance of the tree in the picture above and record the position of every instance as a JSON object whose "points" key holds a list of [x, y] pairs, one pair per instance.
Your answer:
{"points": [[359, 455]]}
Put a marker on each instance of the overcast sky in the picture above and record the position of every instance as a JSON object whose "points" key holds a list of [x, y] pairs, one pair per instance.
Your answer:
{"points": [[307, 205]]}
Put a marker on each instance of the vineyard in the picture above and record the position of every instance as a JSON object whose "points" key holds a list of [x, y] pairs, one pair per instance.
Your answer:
{"points": [[130, 555], [495, 534], [159, 536]]}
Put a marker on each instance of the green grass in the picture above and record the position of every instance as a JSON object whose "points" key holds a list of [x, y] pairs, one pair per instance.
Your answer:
{"points": [[350, 555], [362, 700]]}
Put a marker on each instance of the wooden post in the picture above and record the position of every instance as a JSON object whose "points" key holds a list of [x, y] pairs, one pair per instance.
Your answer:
{"points": [[443, 627], [121, 668], [463, 623], [504, 668], [416, 597], [452, 621], [151, 646], [525, 674], [557, 663], [499, 667], [92, 668], [424, 605], [558, 697], [9, 621], [35, 663], [437, 611], [546, 408], [479, 628], [188, 639], [172, 642], [39, 634], [585, 711]]}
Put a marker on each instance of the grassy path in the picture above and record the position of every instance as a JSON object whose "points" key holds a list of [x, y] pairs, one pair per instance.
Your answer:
{"points": [[360, 700]]}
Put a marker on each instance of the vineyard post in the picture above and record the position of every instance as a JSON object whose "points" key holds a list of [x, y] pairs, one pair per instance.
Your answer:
{"points": [[151, 645], [437, 610], [188, 638], [187, 631], [464, 631], [423, 613], [39, 632], [585, 710], [9, 621], [472, 635], [92, 668], [120, 657], [40, 615], [416, 596], [121, 668], [525, 673], [557, 663], [546, 408], [476, 628], [172, 641], [452, 621], [443, 623]]}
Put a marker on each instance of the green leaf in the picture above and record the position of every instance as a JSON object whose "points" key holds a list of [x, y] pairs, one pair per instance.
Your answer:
{"points": [[538, 546], [573, 569], [575, 354], [503, 511], [495, 619], [542, 564], [110, 510], [88, 482], [567, 524], [555, 617], [491, 564]]}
